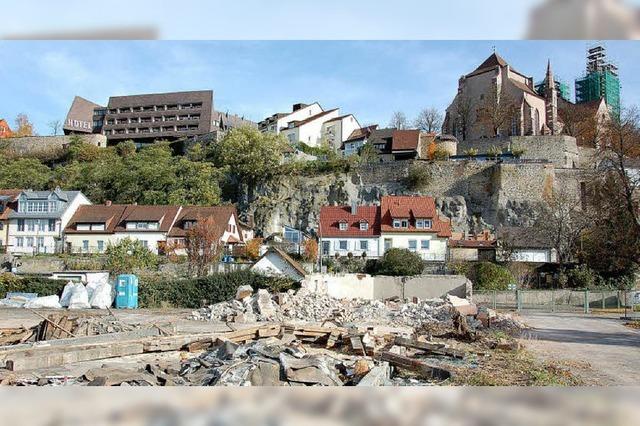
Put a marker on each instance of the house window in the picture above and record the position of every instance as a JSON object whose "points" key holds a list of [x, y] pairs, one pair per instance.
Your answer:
{"points": [[40, 241], [413, 245], [387, 244], [343, 226], [343, 244], [364, 225], [145, 244], [396, 223], [424, 244], [29, 241], [20, 225], [52, 225], [364, 245], [423, 223], [83, 226], [85, 245], [100, 246], [20, 242], [97, 227], [42, 225], [31, 225]]}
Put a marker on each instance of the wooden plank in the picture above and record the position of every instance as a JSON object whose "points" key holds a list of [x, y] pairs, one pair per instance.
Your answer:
{"points": [[415, 365], [428, 347], [356, 345]]}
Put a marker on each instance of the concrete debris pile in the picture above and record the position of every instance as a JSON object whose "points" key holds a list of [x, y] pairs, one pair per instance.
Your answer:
{"points": [[312, 307], [306, 306]]}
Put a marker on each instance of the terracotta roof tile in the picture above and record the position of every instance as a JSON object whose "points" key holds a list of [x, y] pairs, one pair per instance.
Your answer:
{"points": [[404, 140], [412, 208], [331, 216]]}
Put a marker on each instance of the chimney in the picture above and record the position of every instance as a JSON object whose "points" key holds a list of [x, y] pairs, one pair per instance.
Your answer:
{"points": [[107, 203], [299, 106], [354, 208]]}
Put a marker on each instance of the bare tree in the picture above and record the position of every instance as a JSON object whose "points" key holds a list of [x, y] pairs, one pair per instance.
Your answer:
{"points": [[581, 123], [463, 110], [497, 110], [429, 120], [24, 127], [203, 245], [398, 120], [55, 126]]}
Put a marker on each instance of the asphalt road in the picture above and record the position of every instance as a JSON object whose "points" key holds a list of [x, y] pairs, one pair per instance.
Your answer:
{"points": [[603, 350]]}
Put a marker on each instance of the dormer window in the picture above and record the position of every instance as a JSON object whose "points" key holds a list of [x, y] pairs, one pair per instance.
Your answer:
{"points": [[342, 225], [423, 223], [189, 224], [143, 225], [400, 223], [364, 225]]}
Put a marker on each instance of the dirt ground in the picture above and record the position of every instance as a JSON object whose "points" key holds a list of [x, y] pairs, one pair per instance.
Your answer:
{"points": [[600, 349]]}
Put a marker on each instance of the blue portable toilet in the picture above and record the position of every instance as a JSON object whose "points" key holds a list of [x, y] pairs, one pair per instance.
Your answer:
{"points": [[127, 291]]}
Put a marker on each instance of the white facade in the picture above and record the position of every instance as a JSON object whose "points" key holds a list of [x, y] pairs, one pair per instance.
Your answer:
{"points": [[428, 245], [337, 131], [310, 133], [351, 148], [98, 243], [273, 264], [532, 255], [342, 246], [299, 115], [34, 234]]}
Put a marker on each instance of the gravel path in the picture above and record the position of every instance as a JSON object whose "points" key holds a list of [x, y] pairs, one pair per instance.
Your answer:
{"points": [[609, 350]]}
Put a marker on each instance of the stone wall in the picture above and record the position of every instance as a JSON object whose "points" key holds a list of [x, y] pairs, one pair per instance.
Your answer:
{"points": [[561, 150], [362, 286], [473, 194], [46, 147]]}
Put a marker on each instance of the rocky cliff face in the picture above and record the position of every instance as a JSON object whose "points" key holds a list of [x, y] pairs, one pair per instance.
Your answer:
{"points": [[473, 195]]}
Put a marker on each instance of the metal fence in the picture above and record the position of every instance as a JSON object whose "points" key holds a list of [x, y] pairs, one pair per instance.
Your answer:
{"points": [[555, 300]]}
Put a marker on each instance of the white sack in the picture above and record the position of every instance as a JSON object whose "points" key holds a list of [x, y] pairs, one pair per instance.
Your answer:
{"points": [[66, 293], [102, 296], [44, 302], [79, 297]]}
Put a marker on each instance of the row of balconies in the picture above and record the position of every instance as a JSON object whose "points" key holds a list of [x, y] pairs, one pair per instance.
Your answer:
{"points": [[150, 108], [163, 119], [138, 130]]}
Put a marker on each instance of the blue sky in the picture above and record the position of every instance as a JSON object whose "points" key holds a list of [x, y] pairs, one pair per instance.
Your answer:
{"points": [[367, 78]]}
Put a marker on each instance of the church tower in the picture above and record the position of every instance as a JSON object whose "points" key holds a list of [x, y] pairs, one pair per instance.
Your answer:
{"points": [[551, 100]]}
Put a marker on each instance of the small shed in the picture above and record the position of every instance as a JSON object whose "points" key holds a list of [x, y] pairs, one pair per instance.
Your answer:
{"points": [[275, 262]]}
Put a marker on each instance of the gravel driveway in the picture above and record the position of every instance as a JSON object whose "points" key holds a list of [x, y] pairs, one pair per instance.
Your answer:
{"points": [[609, 350]]}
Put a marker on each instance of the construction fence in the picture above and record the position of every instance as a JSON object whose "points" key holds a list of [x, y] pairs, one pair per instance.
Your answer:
{"points": [[557, 300]]}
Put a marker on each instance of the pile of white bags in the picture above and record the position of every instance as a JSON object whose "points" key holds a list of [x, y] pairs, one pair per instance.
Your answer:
{"points": [[44, 302], [75, 296]]}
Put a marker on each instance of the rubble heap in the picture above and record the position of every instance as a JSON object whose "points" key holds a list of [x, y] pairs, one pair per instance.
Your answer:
{"points": [[306, 306]]}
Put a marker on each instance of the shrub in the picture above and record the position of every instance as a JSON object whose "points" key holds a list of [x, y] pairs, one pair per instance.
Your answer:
{"points": [[471, 152], [253, 248], [418, 177], [517, 152], [128, 256], [582, 277], [440, 154], [215, 288], [489, 276], [400, 262], [28, 284], [493, 152]]}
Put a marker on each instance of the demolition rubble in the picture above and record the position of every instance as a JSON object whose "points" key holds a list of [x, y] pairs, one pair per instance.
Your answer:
{"points": [[285, 339]]}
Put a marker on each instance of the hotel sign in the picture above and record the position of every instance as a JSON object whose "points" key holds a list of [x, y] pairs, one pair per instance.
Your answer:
{"points": [[79, 124]]}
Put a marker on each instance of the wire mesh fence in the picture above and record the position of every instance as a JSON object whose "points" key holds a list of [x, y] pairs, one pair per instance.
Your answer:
{"points": [[556, 300]]}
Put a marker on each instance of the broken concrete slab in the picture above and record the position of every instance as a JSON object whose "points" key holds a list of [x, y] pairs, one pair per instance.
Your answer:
{"points": [[244, 291], [377, 376]]}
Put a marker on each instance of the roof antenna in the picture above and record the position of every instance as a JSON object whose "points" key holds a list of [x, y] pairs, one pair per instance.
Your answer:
{"points": [[494, 48]]}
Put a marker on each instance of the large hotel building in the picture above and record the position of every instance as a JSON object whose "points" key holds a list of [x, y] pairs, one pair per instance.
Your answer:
{"points": [[147, 118]]}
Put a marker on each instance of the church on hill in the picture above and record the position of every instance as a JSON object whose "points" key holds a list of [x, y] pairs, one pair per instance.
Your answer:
{"points": [[497, 100]]}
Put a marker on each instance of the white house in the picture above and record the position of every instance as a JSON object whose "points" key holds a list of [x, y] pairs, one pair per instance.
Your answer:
{"points": [[93, 228], [228, 229], [41, 216], [281, 120], [524, 245], [310, 130], [356, 140], [413, 223], [399, 222], [351, 230], [159, 228], [275, 262]]}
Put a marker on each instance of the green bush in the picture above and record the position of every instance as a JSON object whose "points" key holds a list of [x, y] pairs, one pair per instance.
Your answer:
{"points": [[583, 277], [440, 154], [400, 262], [489, 276], [418, 176], [30, 284], [193, 293], [128, 256]]}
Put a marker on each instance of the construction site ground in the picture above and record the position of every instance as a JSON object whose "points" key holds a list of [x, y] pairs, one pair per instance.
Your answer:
{"points": [[598, 348]]}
